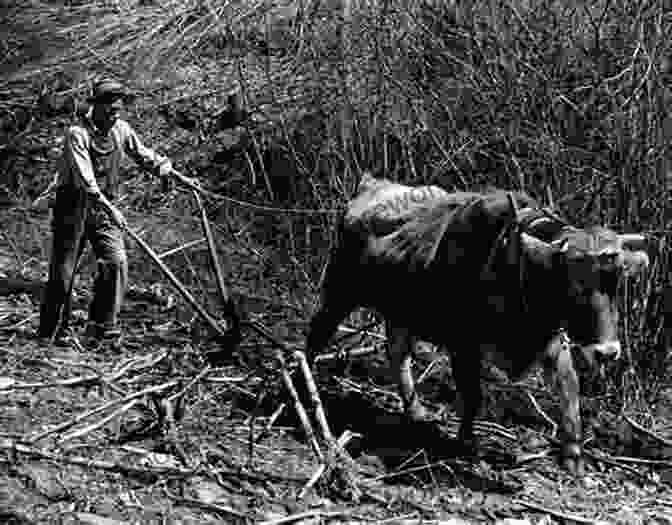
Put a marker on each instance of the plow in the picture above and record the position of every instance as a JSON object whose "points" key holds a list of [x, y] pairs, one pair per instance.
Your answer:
{"points": [[331, 444], [228, 334]]}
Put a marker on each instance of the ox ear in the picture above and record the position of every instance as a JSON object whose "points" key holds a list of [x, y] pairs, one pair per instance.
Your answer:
{"points": [[561, 245], [634, 258], [634, 262], [633, 241], [536, 249]]}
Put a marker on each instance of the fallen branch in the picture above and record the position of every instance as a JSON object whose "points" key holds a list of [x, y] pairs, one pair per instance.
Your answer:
{"points": [[544, 415], [15, 249], [558, 514], [487, 428], [98, 424], [304, 515], [533, 456], [643, 461], [318, 409], [88, 379], [27, 359], [608, 460], [20, 323], [225, 379], [239, 471], [430, 368], [75, 381], [102, 408], [13, 447], [341, 442], [190, 384], [212, 507], [357, 352], [298, 406], [265, 332], [410, 470], [649, 433], [271, 421], [179, 249], [337, 458], [170, 411], [481, 427], [364, 330]]}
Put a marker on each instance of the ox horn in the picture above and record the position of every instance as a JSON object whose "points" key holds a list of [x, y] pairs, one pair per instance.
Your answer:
{"points": [[633, 241], [537, 249], [634, 258], [562, 245]]}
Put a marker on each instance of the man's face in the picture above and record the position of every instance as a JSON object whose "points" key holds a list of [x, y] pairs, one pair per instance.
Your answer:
{"points": [[107, 111]]}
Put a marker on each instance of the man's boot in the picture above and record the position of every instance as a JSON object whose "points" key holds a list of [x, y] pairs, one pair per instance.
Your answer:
{"points": [[102, 338]]}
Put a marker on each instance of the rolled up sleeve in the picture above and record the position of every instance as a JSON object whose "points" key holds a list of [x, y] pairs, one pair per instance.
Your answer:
{"points": [[79, 159], [144, 156]]}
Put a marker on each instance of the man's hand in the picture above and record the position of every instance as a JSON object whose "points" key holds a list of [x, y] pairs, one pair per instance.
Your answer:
{"points": [[165, 168], [43, 202], [117, 217], [190, 181]]}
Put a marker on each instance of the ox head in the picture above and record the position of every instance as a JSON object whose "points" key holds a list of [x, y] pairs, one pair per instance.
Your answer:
{"points": [[586, 267]]}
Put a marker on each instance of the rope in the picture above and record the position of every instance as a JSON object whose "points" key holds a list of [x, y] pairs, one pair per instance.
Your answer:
{"points": [[261, 207]]}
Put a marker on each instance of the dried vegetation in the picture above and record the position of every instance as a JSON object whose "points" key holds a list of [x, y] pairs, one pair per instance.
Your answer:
{"points": [[568, 96]]}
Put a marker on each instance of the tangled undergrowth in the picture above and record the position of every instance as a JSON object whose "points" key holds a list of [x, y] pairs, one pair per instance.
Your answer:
{"points": [[155, 433], [568, 97]]}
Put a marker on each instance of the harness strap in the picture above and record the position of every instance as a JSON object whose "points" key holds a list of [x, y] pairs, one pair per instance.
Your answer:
{"points": [[526, 219], [505, 231]]}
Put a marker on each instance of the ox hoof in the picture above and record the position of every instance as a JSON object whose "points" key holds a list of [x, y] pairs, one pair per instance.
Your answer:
{"points": [[417, 413], [575, 466], [572, 459]]}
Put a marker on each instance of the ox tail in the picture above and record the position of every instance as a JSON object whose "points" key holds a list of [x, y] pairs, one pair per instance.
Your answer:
{"points": [[337, 255]]}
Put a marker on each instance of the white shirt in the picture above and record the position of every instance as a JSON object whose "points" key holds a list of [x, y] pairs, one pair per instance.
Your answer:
{"points": [[92, 160]]}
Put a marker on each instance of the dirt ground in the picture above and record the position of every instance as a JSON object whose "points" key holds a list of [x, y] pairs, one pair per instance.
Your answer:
{"points": [[147, 434], [63, 462], [92, 436]]}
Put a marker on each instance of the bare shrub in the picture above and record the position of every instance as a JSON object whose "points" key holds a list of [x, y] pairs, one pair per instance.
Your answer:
{"points": [[571, 96]]}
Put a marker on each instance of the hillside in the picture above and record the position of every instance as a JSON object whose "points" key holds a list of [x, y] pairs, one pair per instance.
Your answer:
{"points": [[276, 109]]}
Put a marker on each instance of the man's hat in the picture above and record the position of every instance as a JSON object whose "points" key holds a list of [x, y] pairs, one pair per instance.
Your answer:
{"points": [[108, 89]]}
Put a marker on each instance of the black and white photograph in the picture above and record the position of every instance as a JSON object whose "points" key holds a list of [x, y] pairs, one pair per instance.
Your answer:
{"points": [[336, 262]]}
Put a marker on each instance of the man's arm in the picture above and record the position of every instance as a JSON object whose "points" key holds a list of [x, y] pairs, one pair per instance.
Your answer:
{"points": [[144, 156], [77, 150]]}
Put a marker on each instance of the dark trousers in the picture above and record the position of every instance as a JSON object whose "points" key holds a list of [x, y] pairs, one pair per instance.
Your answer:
{"points": [[76, 220]]}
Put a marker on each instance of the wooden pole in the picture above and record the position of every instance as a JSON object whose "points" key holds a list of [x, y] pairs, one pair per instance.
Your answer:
{"points": [[212, 322], [298, 406], [318, 408], [227, 302], [549, 197]]}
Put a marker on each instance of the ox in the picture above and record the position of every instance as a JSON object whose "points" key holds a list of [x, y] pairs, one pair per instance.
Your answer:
{"points": [[481, 274]]}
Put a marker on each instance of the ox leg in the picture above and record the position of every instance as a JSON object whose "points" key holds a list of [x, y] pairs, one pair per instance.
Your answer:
{"points": [[337, 301], [323, 326], [400, 352], [467, 374], [560, 370]]}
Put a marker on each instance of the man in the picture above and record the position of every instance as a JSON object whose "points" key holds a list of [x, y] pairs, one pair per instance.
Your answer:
{"points": [[84, 209]]}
